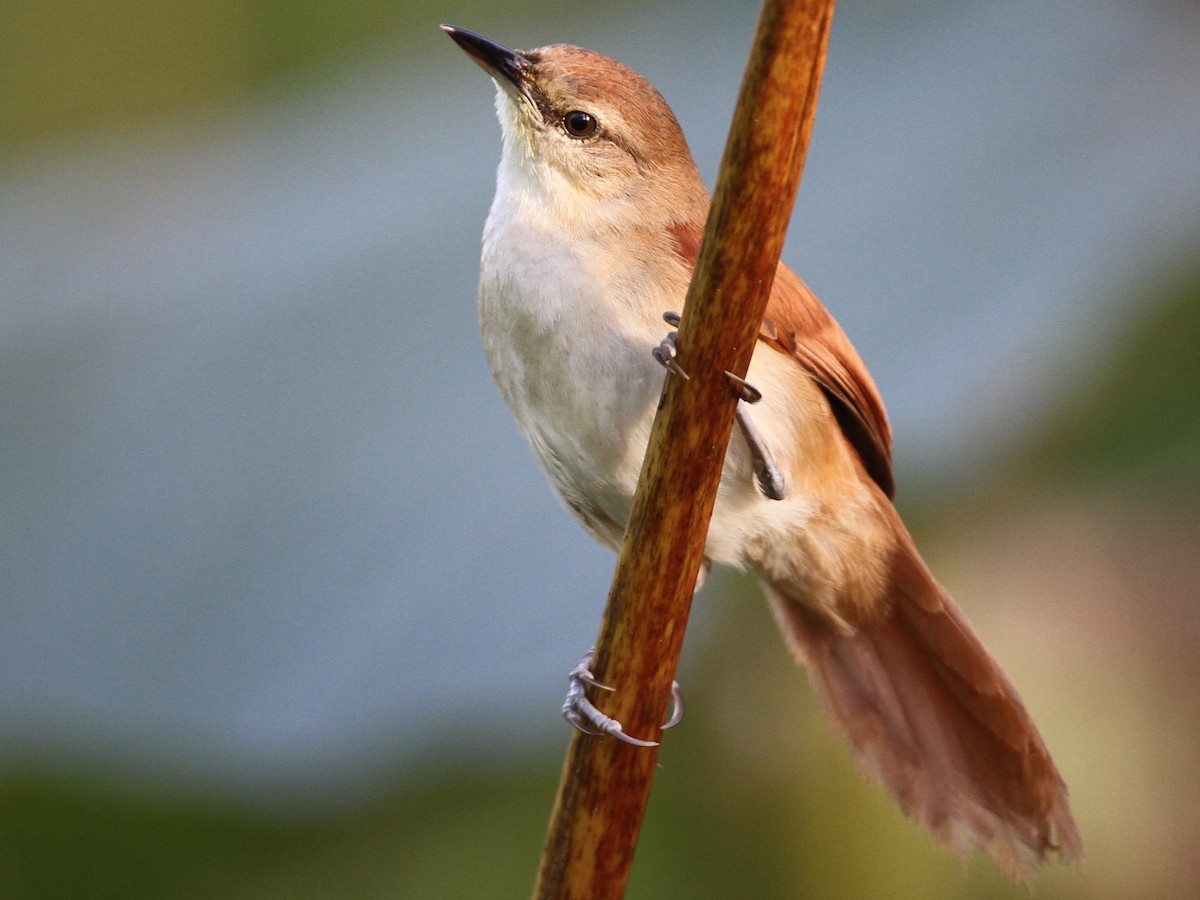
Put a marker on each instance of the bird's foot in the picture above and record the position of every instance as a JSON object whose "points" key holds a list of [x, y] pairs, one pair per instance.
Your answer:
{"points": [[585, 717], [666, 351]]}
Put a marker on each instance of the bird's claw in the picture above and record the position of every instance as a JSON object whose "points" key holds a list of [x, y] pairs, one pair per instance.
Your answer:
{"points": [[583, 715], [744, 389], [666, 350], [676, 707]]}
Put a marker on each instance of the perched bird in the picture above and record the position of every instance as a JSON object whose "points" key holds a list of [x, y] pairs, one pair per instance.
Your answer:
{"points": [[591, 238]]}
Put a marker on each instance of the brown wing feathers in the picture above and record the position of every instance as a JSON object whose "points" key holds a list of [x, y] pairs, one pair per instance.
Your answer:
{"points": [[797, 324]]}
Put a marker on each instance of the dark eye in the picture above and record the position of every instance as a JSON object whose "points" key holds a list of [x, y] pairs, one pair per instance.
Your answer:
{"points": [[579, 124]]}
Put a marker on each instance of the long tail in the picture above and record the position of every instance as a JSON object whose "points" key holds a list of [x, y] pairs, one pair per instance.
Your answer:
{"points": [[932, 718]]}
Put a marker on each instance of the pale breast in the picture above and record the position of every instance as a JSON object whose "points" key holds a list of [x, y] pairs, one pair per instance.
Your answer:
{"points": [[574, 366]]}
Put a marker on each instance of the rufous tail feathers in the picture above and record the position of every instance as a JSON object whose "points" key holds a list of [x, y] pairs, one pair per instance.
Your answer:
{"points": [[930, 716]]}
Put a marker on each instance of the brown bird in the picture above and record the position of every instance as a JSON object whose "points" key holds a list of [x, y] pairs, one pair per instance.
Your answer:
{"points": [[591, 238]]}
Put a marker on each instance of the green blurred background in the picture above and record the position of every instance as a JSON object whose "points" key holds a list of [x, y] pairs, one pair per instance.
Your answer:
{"points": [[218, 273]]}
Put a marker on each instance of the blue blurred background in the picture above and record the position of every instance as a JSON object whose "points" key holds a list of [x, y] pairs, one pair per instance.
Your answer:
{"points": [[286, 607]]}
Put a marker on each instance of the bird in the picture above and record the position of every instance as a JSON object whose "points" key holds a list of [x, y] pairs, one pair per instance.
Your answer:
{"points": [[590, 240]]}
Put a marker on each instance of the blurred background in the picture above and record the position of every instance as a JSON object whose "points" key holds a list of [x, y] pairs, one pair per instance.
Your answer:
{"points": [[286, 608]]}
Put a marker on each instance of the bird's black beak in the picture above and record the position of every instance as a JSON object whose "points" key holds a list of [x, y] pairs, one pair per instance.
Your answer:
{"points": [[512, 70]]}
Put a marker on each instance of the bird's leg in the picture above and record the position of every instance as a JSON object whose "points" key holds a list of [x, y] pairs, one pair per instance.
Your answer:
{"points": [[584, 716], [770, 479]]}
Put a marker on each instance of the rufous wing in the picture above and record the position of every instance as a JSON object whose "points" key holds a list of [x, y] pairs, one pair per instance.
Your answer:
{"points": [[796, 323]]}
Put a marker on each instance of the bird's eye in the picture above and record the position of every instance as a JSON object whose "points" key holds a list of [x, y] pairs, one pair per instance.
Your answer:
{"points": [[579, 124]]}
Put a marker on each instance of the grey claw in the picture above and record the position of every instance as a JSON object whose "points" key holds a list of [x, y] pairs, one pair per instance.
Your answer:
{"points": [[676, 707], [584, 716], [744, 389], [665, 353], [582, 672]]}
